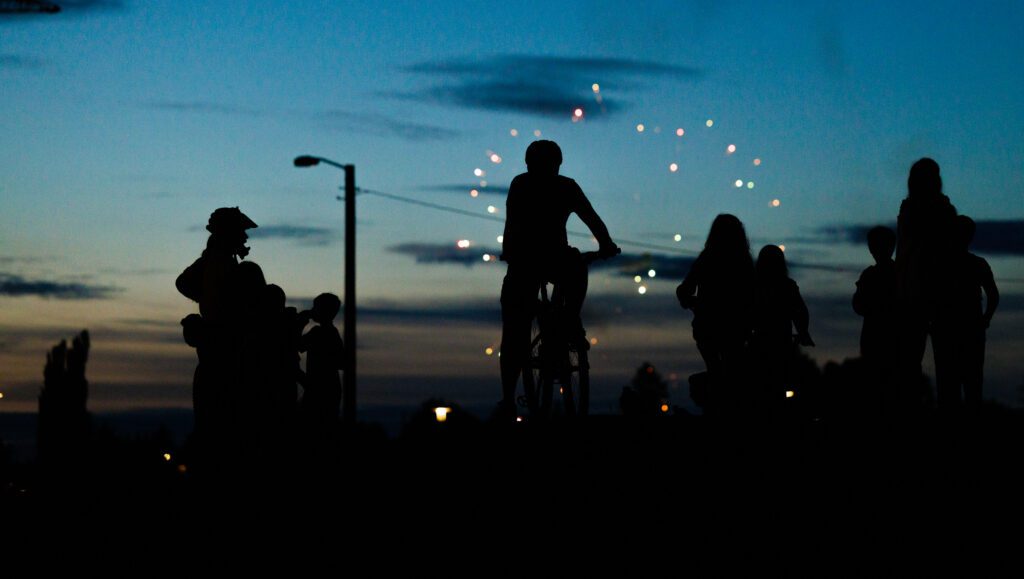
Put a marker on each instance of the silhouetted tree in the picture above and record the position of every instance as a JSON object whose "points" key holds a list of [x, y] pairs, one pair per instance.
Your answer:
{"points": [[63, 428], [646, 395]]}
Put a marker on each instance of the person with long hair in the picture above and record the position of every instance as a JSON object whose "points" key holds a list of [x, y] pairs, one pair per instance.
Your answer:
{"points": [[718, 289]]}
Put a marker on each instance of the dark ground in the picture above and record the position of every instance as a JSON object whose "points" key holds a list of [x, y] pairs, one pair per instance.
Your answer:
{"points": [[925, 496]]}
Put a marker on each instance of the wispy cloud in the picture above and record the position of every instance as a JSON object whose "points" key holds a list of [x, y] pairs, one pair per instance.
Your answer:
{"points": [[541, 85], [20, 61], [304, 234], [457, 188], [382, 125], [22, 9], [12, 285], [333, 119]]}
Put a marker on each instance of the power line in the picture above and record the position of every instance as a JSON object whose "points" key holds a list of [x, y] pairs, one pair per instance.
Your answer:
{"points": [[457, 211]]}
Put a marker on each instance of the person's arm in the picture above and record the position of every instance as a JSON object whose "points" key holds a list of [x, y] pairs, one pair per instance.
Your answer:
{"points": [[860, 298], [988, 283], [593, 221], [686, 290], [801, 317]]}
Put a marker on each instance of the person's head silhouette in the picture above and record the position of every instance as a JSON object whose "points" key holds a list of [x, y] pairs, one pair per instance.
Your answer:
{"points": [[963, 232], [924, 180], [543, 157], [325, 308], [227, 227], [771, 263], [727, 236], [881, 243]]}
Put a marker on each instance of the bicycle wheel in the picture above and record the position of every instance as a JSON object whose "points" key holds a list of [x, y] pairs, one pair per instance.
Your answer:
{"points": [[575, 384], [537, 378]]}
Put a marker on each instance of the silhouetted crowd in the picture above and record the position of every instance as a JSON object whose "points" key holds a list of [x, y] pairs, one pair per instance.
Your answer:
{"points": [[749, 318], [246, 385]]}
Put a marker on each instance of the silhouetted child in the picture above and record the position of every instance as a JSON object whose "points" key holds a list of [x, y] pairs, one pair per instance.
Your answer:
{"points": [[875, 300], [778, 308], [325, 356], [718, 291], [960, 323]]}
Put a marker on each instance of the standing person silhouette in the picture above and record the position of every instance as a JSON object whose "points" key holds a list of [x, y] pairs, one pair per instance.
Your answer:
{"points": [[923, 242], [719, 291], [213, 281], [778, 308], [325, 357], [875, 300], [960, 324], [536, 247]]}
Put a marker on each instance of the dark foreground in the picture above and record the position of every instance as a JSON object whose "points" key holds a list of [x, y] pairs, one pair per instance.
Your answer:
{"points": [[688, 494]]}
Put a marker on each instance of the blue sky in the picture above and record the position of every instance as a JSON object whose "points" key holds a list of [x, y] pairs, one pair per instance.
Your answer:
{"points": [[125, 123]]}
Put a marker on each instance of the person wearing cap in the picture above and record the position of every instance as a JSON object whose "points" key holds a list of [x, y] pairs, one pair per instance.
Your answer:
{"points": [[213, 281]]}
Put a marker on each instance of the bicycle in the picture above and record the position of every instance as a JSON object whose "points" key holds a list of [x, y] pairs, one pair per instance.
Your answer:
{"points": [[556, 359]]}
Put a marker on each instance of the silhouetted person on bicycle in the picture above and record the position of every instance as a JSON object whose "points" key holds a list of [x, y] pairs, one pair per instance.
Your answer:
{"points": [[536, 248], [719, 291]]}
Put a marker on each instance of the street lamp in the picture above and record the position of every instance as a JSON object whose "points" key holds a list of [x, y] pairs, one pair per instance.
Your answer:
{"points": [[348, 407]]}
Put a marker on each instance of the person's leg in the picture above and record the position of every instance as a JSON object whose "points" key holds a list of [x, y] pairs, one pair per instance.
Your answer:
{"points": [[573, 281], [517, 297], [974, 370], [947, 369]]}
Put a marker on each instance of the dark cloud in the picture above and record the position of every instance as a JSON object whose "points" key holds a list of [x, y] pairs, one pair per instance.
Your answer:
{"points": [[993, 237], [302, 233], [456, 188], [30, 8], [442, 253], [666, 267], [16, 286], [547, 86]]}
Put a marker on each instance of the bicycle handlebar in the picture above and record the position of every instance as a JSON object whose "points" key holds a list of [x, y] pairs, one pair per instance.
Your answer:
{"points": [[592, 256]]}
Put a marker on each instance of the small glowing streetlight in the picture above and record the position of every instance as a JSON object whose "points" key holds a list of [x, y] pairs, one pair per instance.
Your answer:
{"points": [[441, 413], [167, 457], [790, 394]]}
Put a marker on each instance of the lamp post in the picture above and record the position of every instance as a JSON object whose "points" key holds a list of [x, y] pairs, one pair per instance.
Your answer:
{"points": [[348, 406]]}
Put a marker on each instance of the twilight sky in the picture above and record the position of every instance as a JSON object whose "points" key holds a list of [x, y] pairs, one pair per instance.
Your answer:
{"points": [[124, 124]]}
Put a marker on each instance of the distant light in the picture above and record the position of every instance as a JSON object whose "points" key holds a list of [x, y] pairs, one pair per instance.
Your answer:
{"points": [[595, 87], [182, 468], [1, 395], [651, 273], [731, 149], [167, 457], [593, 341], [782, 247], [489, 351], [519, 418], [578, 113], [536, 133], [739, 182], [776, 202], [514, 133], [441, 413], [640, 128], [483, 183], [757, 162], [473, 193], [664, 407], [790, 394], [642, 289], [673, 167], [479, 172], [680, 132], [501, 239], [709, 122], [649, 369], [561, 390], [462, 243], [487, 257], [495, 158], [750, 184], [492, 209], [637, 279], [677, 237]]}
